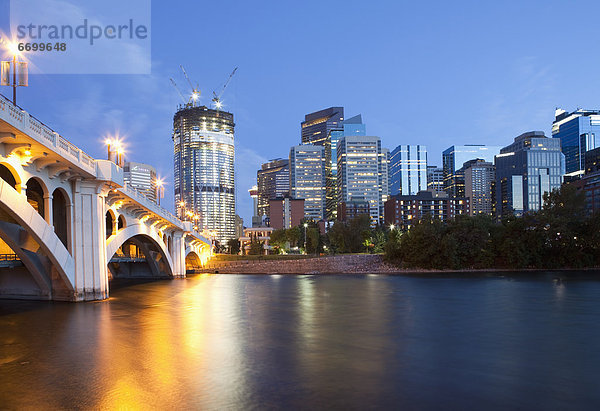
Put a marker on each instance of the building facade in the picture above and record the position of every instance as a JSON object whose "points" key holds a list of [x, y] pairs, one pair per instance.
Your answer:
{"points": [[405, 211], [362, 173], [204, 153], [435, 179], [273, 181], [408, 169], [577, 132], [316, 126], [350, 127], [285, 212], [479, 184], [531, 166], [142, 177], [453, 159], [307, 179]]}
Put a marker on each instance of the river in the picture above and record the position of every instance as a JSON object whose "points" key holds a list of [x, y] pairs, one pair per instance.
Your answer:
{"points": [[311, 342]]}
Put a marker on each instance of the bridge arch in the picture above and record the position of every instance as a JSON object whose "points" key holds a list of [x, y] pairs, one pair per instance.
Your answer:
{"points": [[115, 242], [111, 222], [121, 223], [61, 216], [9, 174], [37, 192], [26, 233]]}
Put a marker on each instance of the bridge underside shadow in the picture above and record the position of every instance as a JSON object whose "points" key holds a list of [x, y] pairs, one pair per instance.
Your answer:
{"points": [[25, 270], [139, 257]]}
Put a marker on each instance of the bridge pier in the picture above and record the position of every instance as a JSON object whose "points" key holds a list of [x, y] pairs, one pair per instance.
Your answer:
{"points": [[89, 241]]}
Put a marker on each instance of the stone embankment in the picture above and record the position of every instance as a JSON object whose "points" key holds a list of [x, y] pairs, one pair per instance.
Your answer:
{"points": [[339, 264]]}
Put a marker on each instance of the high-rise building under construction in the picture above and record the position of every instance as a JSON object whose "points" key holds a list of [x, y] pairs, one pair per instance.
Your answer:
{"points": [[204, 155]]}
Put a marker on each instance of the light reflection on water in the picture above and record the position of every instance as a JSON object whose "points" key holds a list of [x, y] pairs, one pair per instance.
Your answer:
{"points": [[235, 341]]}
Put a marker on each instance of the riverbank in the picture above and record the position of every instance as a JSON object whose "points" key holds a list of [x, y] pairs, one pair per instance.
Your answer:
{"points": [[347, 264]]}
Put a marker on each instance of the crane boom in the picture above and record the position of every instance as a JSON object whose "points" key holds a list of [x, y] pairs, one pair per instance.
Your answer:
{"points": [[187, 78], [177, 88], [217, 98]]}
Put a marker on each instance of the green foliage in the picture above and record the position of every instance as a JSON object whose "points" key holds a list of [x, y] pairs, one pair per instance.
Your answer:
{"points": [[352, 237], [256, 246], [234, 246], [559, 235]]}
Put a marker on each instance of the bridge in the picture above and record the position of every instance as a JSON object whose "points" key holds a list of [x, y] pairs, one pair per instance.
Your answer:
{"points": [[69, 224]]}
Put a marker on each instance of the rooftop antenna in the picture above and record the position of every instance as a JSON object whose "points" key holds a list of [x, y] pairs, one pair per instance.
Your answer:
{"points": [[195, 90], [217, 98]]}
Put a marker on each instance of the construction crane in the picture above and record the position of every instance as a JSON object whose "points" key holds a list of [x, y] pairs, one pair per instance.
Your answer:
{"points": [[195, 90], [217, 98], [179, 91]]}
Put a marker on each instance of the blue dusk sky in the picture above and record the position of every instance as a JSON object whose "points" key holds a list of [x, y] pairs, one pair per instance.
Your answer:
{"points": [[436, 73]]}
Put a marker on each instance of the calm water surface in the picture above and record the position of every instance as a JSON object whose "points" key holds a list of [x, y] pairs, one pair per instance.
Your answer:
{"points": [[336, 342]]}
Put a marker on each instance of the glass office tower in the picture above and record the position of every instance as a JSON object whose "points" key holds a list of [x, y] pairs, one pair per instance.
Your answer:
{"points": [[453, 159], [525, 170], [408, 169], [307, 179], [273, 181], [142, 177], [362, 173], [577, 132], [204, 154], [350, 127]]}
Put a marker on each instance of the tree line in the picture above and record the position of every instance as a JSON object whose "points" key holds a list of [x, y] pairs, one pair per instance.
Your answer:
{"points": [[560, 235]]}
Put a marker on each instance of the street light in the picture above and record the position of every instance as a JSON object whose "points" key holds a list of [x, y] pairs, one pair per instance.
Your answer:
{"points": [[392, 226], [159, 189], [19, 69]]}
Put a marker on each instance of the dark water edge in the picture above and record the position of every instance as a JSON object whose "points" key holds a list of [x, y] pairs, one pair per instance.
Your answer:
{"points": [[525, 340]]}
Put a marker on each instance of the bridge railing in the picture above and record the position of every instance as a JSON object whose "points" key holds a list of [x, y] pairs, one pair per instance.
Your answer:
{"points": [[134, 193], [44, 135]]}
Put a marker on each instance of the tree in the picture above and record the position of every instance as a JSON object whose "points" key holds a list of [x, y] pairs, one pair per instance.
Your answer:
{"points": [[234, 245], [312, 240], [278, 239], [293, 236], [256, 247]]}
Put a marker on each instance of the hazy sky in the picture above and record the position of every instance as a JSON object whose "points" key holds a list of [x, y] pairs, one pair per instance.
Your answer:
{"points": [[436, 73]]}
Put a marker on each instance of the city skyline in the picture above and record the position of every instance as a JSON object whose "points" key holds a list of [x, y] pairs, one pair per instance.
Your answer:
{"points": [[505, 90]]}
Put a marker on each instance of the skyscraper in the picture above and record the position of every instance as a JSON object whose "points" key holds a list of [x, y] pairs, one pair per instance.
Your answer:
{"points": [[453, 159], [204, 168], [307, 179], [350, 127], [273, 182], [479, 180], [362, 173], [525, 170], [435, 179], [577, 132], [408, 169], [142, 177], [316, 126]]}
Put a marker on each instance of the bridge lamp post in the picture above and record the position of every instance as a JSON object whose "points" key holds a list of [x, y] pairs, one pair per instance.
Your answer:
{"points": [[159, 189], [19, 70]]}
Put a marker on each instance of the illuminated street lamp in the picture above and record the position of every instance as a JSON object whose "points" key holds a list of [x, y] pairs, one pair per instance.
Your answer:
{"points": [[159, 189], [392, 226], [18, 68]]}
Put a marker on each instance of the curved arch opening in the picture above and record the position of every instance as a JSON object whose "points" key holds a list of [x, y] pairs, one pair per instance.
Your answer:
{"points": [[35, 196], [61, 217], [192, 262], [7, 175], [25, 270], [170, 245], [110, 222], [121, 224], [139, 257]]}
